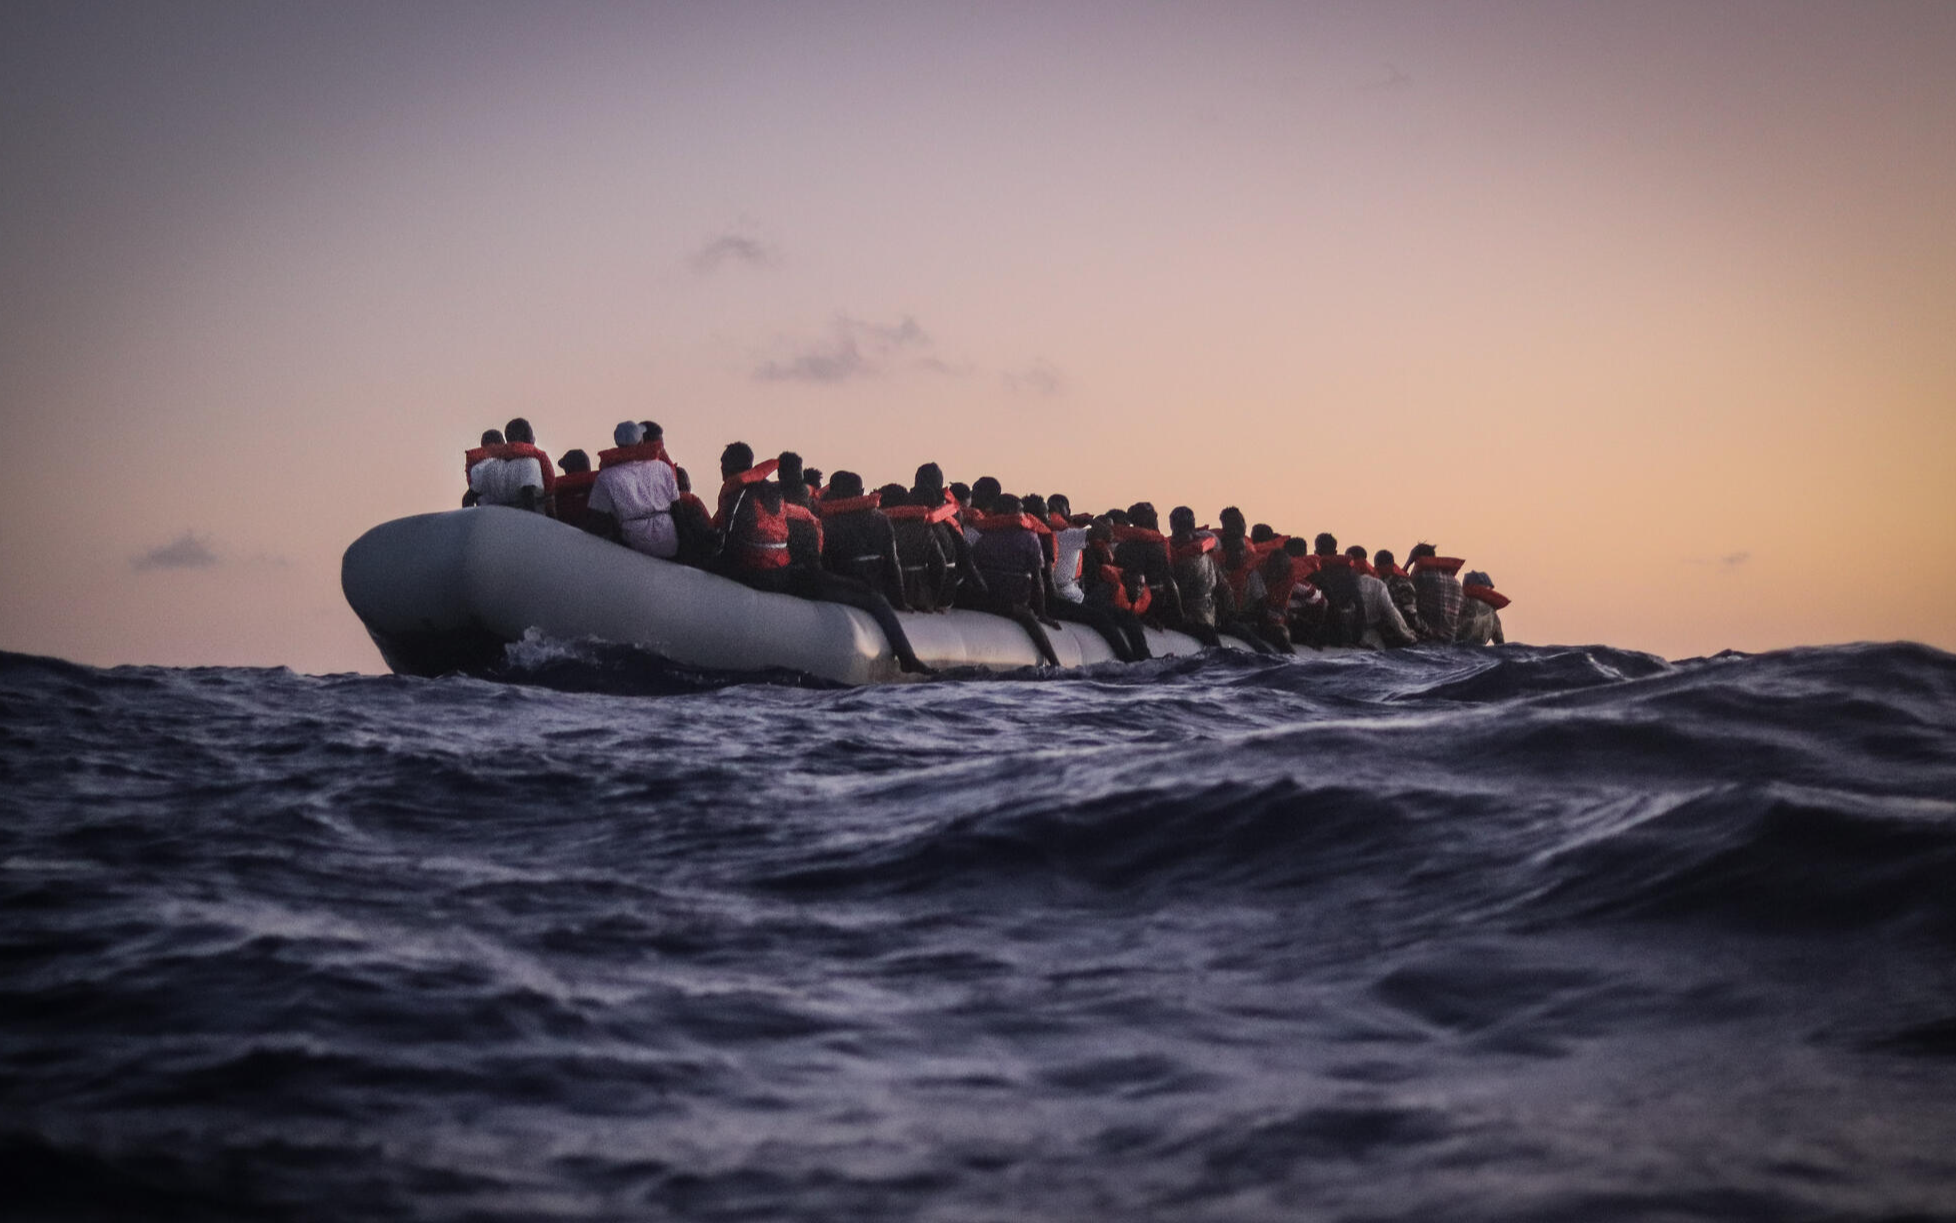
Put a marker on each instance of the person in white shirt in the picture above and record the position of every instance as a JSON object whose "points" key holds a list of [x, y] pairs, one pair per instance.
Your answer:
{"points": [[1384, 626], [1069, 543], [637, 497]]}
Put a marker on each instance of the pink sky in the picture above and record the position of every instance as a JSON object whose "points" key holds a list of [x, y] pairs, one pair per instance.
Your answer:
{"points": [[1645, 309]]}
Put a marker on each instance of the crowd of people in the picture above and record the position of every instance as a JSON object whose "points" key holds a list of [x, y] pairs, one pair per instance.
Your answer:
{"points": [[778, 526]]}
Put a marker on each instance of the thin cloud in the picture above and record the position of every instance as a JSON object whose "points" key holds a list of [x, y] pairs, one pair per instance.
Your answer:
{"points": [[1732, 560], [1042, 377], [729, 248], [852, 349], [186, 551]]}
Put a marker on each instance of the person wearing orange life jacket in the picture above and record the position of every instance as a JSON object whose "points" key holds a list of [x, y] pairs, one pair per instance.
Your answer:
{"points": [[1337, 580], [1480, 612], [804, 528], [929, 491], [570, 505], [1439, 591], [858, 540], [631, 499], [1204, 598], [928, 580], [471, 458], [1141, 550], [1007, 552], [738, 472], [1399, 584], [1268, 596], [513, 473], [1069, 546], [1120, 598], [1064, 545]]}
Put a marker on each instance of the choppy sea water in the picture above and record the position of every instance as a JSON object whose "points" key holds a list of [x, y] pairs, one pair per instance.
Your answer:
{"points": [[1529, 933]]}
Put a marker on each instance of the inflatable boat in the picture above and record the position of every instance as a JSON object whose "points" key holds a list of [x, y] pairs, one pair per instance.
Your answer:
{"points": [[446, 592]]}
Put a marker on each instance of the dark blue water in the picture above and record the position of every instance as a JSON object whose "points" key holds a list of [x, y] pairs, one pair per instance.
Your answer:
{"points": [[1441, 935]]}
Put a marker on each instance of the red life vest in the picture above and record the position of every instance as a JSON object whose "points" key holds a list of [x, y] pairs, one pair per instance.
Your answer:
{"points": [[1196, 546], [1302, 567], [1014, 522], [1390, 571], [512, 450], [1444, 564], [738, 481], [928, 513], [695, 502], [828, 507], [1123, 534], [801, 513], [643, 452], [765, 545], [574, 496], [1486, 594]]}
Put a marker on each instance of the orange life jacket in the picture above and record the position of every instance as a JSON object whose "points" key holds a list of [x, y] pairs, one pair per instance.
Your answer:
{"points": [[1444, 564], [642, 452], [738, 481], [765, 544], [929, 513], [512, 450], [828, 507], [574, 496], [1123, 534], [1196, 546], [1014, 522], [1486, 594]]}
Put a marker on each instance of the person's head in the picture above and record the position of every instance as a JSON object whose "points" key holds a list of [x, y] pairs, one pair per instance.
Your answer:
{"points": [[1005, 505], [1420, 552], [1034, 505], [1296, 547], [768, 494], [575, 460], [1101, 530], [1117, 517], [518, 430], [930, 478], [1058, 504], [845, 484], [685, 481], [736, 458], [961, 493], [1327, 544], [893, 495], [1142, 514], [789, 469], [1181, 520], [812, 476], [1261, 533], [492, 437], [649, 431], [1356, 552], [985, 491], [1384, 561], [1232, 520], [628, 433], [1277, 564], [1478, 578]]}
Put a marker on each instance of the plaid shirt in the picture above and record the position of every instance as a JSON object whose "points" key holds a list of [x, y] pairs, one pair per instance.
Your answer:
{"points": [[1439, 603]]}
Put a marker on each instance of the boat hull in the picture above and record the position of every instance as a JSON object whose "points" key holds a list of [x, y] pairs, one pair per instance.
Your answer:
{"points": [[443, 593]]}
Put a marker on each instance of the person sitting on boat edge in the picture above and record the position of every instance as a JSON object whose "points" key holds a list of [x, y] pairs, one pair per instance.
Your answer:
{"points": [[858, 541], [1438, 589], [1121, 598], [1013, 563], [804, 528], [738, 471], [929, 582], [929, 492], [1333, 575], [697, 538], [513, 472], [631, 500], [1141, 549], [1480, 611], [1399, 584], [570, 504], [472, 458], [1198, 583], [1384, 627]]}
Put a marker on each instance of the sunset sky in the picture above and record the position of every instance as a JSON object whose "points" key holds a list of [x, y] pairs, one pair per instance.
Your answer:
{"points": [[1647, 309]]}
